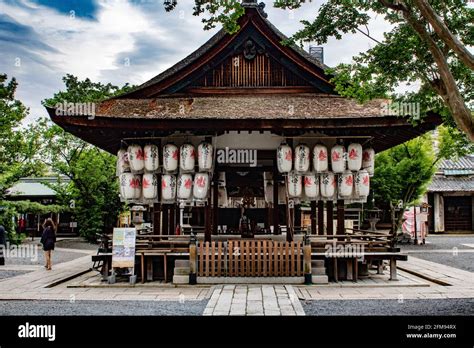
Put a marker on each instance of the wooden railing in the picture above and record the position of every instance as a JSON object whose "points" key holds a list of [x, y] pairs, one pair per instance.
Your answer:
{"points": [[250, 258]]}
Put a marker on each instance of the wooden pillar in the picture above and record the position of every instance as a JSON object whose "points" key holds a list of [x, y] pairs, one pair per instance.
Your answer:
{"points": [[313, 217], [297, 212], [157, 218], [172, 221], [340, 218], [329, 218], [207, 223], [165, 210], [276, 222], [215, 200], [320, 218]]}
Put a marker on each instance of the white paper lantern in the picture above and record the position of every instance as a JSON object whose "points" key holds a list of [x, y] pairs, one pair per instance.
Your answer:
{"points": [[328, 185], [136, 158], [170, 158], [311, 186], [284, 158], [222, 197], [354, 157], [168, 187], [368, 160], [320, 158], [294, 183], [205, 156], [362, 183], [187, 157], [123, 164], [185, 186], [338, 164], [346, 183], [130, 186], [269, 192], [201, 186], [150, 186], [152, 162], [302, 160]]}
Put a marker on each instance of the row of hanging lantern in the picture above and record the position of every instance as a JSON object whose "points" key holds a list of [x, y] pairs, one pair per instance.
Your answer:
{"points": [[329, 186], [354, 159], [137, 159], [184, 187]]}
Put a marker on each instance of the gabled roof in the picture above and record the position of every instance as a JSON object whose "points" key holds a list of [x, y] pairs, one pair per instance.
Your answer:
{"points": [[442, 183], [253, 25], [35, 187], [465, 163]]}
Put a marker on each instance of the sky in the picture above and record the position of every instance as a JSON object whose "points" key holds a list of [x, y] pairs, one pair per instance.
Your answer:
{"points": [[121, 41]]}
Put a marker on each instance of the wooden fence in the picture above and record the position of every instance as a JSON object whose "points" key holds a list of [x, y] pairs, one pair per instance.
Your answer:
{"points": [[250, 258]]}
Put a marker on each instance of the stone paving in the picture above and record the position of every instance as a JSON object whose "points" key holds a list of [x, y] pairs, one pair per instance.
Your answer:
{"points": [[254, 300]]}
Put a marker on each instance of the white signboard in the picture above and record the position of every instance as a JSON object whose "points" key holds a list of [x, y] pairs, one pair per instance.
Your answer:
{"points": [[123, 247]]}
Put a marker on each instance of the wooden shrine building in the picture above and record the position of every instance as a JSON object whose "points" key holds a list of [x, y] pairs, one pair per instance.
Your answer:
{"points": [[246, 91]]}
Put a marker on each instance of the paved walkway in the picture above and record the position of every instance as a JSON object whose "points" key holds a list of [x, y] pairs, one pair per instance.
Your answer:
{"points": [[254, 300], [461, 285]]}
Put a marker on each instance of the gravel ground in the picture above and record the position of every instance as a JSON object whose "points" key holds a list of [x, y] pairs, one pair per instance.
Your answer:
{"points": [[49, 308], [437, 242], [390, 307], [9, 274], [464, 261]]}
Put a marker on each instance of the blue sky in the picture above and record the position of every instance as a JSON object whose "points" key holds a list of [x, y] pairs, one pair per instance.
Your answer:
{"points": [[119, 41]]}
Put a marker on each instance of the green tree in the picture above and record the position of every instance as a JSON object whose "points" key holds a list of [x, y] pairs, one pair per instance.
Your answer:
{"points": [[17, 151], [93, 188], [427, 43]]}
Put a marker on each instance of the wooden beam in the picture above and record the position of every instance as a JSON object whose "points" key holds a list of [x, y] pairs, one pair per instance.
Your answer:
{"points": [[165, 223], [157, 218], [207, 223], [172, 221], [329, 217], [320, 218], [313, 217], [276, 222], [340, 218]]}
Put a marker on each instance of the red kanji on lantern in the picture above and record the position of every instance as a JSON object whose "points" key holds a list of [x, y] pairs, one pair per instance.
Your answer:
{"points": [[145, 183], [201, 181], [336, 156], [288, 155], [163, 183], [175, 155], [349, 180], [140, 154], [307, 181], [353, 154], [322, 155], [365, 181], [188, 183]]}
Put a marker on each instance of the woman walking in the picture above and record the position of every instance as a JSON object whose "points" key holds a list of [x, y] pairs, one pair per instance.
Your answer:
{"points": [[48, 239]]}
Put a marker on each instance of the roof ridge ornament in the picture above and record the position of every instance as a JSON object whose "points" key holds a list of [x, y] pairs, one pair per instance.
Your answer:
{"points": [[253, 4]]}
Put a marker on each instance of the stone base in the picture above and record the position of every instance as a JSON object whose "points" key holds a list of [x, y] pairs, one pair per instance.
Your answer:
{"points": [[318, 271], [317, 263], [181, 279], [182, 271], [320, 279], [181, 263]]}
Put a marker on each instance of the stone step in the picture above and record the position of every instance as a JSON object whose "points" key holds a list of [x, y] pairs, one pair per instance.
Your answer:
{"points": [[181, 263], [320, 279], [318, 271], [317, 263], [182, 271], [181, 279]]}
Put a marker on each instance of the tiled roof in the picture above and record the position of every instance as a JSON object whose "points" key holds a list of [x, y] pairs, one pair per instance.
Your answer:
{"points": [[443, 183], [34, 187], [462, 163]]}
